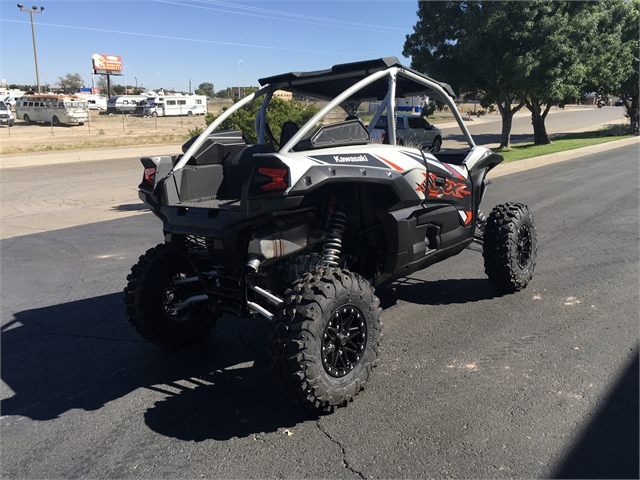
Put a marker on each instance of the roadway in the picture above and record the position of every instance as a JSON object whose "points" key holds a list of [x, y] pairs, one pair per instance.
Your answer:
{"points": [[486, 130], [469, 384], [77, 187]]}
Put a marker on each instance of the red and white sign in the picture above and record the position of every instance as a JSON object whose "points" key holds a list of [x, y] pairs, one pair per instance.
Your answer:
{"points": [[106, 64]]}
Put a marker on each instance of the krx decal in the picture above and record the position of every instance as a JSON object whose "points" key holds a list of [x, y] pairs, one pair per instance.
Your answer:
{"points": [[449, 188]]}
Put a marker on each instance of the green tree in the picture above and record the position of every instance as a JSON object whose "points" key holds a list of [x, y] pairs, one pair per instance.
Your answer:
{"points": [[71, 82], [516, 54], [118, 89], [278, 112], [206, 88], [101, 83], [226, 93], [614, 66], [472, 46], [558, 48]]}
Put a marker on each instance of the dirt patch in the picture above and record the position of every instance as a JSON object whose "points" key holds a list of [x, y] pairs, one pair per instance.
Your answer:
{"points": [[101, 131]]}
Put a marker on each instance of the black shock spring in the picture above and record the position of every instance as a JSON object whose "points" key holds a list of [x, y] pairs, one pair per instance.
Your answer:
{"points": [[333, 241]]}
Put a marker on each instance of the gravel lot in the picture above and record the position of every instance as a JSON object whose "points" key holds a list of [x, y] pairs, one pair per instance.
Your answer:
{"points": [[102, 131]]}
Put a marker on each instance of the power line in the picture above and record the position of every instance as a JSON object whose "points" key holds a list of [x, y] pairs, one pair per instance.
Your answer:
{"points": [[288, 16], [185, 39]]}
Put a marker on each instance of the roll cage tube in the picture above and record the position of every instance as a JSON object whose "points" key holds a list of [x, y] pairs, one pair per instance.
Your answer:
{"points": [[261, 118], [391, 109], [287, 147], [388, 102], [207, 131], [380, 110], [447, 98]]}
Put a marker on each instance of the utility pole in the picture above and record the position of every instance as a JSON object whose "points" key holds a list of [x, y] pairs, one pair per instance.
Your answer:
{"points": [[33, 34], [239, 79]]}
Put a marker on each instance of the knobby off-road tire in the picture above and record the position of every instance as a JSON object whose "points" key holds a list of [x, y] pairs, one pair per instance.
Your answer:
{"points": [[326, 338], [151, 292], [510, 247]]}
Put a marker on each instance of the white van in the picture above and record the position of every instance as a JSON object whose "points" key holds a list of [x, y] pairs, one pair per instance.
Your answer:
{"points": [[55, 109], [6, 115], [175, 105]]}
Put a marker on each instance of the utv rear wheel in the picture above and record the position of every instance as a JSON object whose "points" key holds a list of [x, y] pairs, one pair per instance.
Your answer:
{"points": [[155, 285], [510, 246], [326, 338]]}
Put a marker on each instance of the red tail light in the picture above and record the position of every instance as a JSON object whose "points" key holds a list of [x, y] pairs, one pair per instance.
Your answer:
{"points": [[150, 176], [276, 179]]}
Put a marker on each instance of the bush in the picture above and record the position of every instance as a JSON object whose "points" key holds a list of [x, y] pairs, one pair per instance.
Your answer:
{"points": [[196, 131], [430, 107], [278, 112]]}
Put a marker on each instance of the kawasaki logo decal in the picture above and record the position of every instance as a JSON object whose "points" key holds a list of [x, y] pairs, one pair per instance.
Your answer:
{"points": [[351, 159]]}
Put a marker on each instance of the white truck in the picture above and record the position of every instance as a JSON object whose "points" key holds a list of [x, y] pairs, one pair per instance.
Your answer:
{"points": [[175, 105], [6, 115], [411, 130]]}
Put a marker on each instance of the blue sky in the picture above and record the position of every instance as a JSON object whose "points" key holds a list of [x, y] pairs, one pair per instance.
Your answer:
{"points": [[166, 43]]}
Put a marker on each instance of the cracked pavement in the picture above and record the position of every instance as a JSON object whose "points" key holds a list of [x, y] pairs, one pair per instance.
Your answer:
{"points": [[469, 383]]}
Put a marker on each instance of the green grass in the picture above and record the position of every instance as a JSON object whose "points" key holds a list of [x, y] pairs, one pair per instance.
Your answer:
{"points": [[520, 151]]}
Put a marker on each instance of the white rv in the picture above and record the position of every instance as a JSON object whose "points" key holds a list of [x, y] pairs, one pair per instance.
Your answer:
{"points": [[175, 105], [95, 101], [125, 104]]}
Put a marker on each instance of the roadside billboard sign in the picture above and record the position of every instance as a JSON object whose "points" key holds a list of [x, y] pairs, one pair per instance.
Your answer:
{"points": [[106, 64]]}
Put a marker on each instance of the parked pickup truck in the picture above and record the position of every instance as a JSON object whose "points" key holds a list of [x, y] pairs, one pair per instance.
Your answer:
{"points": [[411, 130]]}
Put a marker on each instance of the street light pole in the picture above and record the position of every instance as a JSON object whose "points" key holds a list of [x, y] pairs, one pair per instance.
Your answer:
{"points": [[239, 80], [33, 34], [124, 76]]}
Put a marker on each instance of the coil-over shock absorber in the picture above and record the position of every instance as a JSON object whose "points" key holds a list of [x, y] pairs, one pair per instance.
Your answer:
{"points": [[336, 223]]}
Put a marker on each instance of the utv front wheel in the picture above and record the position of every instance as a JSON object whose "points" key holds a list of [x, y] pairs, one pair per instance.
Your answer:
{"points": [[326, 338], [157, 285], [510, 246]]}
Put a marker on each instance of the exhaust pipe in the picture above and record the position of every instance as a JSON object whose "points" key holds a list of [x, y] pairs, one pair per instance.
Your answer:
{"points": [[276, 244]]}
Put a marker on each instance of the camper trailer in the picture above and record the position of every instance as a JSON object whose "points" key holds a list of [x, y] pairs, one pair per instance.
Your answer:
{"points": [[95, 101], [125, 104], [175, 105]]}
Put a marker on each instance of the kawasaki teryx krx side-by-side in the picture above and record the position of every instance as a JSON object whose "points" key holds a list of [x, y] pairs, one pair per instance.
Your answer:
{"points": [[302, 230]]}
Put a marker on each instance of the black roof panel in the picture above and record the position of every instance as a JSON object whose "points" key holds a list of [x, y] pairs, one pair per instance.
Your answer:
{"points": [[329, 83]]}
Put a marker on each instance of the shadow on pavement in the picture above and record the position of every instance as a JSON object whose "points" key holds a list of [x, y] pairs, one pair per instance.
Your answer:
{"points": [[439, 292], [84, 354], [130, 207], [609, 446], [487, 138]]}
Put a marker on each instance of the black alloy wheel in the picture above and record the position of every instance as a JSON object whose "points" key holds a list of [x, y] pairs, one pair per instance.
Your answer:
{"points": [[344, 341]]}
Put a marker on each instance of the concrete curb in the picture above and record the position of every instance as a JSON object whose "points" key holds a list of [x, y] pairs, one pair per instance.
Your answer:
{"points": [[87, 155]]}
